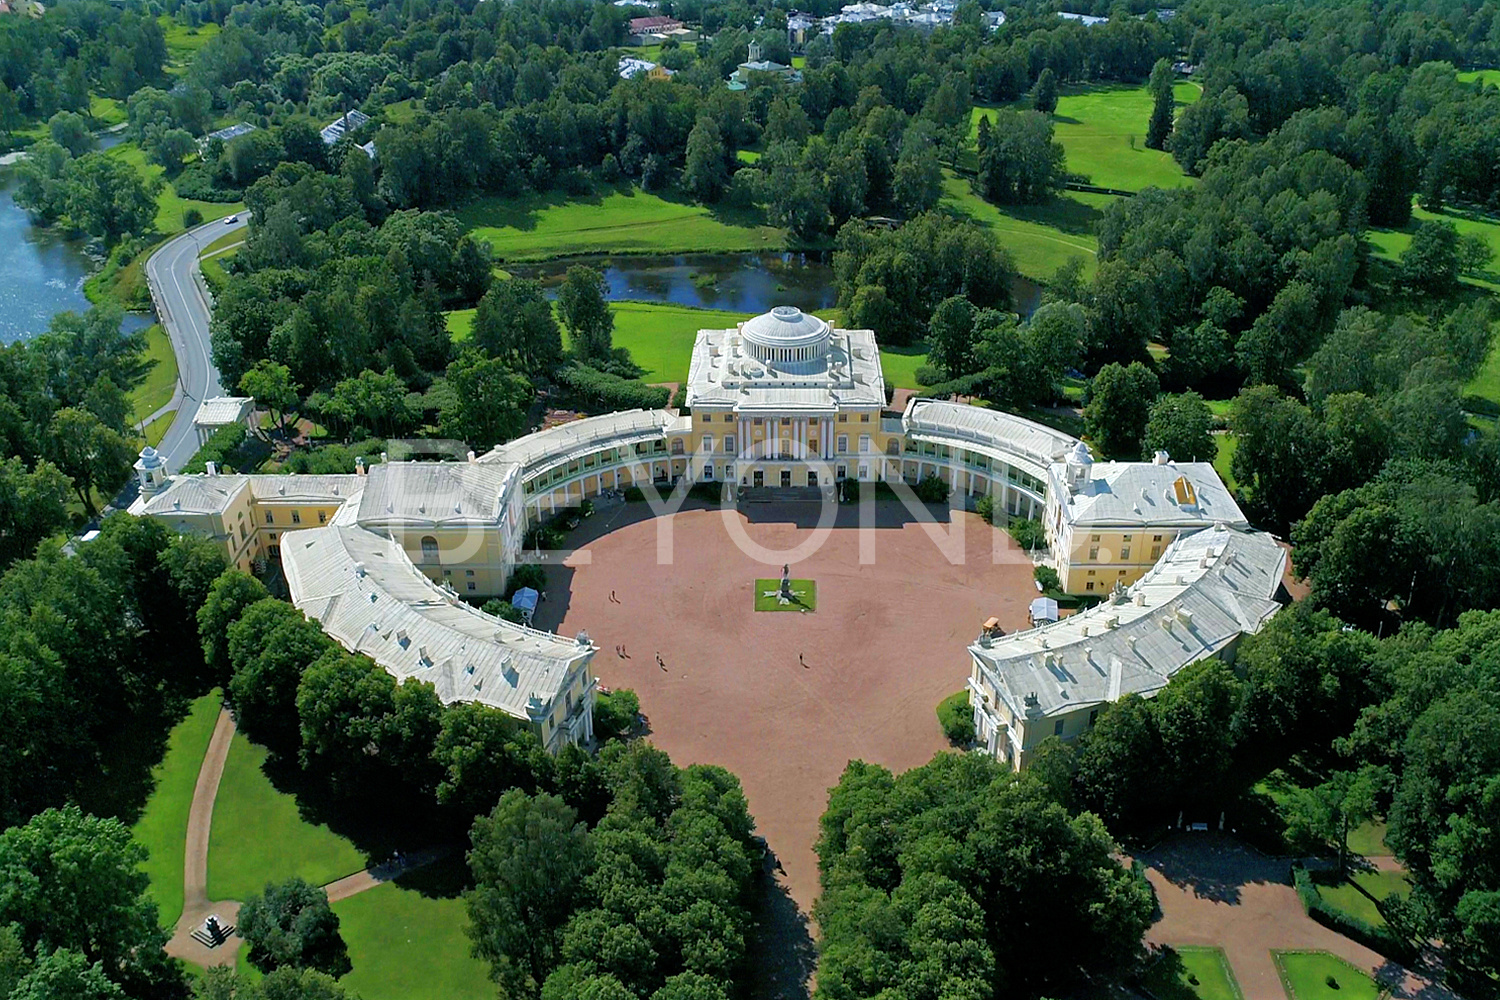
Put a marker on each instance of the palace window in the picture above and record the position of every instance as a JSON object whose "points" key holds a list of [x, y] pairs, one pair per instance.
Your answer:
{"points": [[843, 444], [708, 418], [1093, 553], [429, 547], [757, 421], [708, 470], [864, 443], [471, 586], [708, 442], [1124, 553], [1057, 728], [296, 517], [1089, 585], [864, 418], [270, 517], [1156, 538], [1155, 552], [893, 446], [677, 446], [729, 443], [322, 517]]}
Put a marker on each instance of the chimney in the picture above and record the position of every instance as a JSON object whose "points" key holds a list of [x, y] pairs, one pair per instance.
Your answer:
{"points": [[1161, 458], [1140, 599], [359, 465], [211, 468], [472, 458], [1116, 675]]}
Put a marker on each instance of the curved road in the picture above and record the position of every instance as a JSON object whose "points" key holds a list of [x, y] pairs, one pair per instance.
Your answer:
{"points": [[183, 308]]}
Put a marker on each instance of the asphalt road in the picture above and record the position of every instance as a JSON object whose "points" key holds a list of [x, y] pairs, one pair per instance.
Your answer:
{"points": [[184, 313]]}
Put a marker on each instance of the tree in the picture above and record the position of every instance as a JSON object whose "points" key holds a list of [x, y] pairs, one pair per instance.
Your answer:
{"points": [[93, 456], [1019, 163], [1119, 407], [1281, 460], [487, 404], [514, 322], [1331, 809], [918, 181], [1181, 426], [71, 132], [1224, 114], [484, 753], [950, 336], [73, 881], [1431, 262], [1044, 92], [705, 171], [373, 400], [585, 311], [272, 386], [228, 597], [530, 858], [269, 647], [33, 505], [291, 924], [1163, 105], [66, 975]]}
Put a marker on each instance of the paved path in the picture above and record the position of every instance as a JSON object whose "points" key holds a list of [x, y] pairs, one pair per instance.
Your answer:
{"points": [[196, 906], [1215, 891], [183, 308]]}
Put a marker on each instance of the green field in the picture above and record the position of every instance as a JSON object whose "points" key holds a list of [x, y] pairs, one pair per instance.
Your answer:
{"points": [[169, 205], [161, 380], [1103, 130], [1368, 839], [230, 239], [1358, 895], [1192, 973], [406, 946], [1305, 974], [105, 111], [1040, 238], [659, 336], [619, 219], [1487, 382], [162, 828], [183, 42], [1491, 77], [258, 836], [804, 596], [1389, 243]]}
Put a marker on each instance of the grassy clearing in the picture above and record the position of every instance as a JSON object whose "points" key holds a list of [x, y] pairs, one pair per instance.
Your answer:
{"points": [[1197, 973], [258, 835], [1040, 238], [1368, 839], [162, 828], [402, 112], [1487, 382], [406, 946], [1305, 976], [1490, 77], [1103, 131], [1389, 243], [619, 219], [804, 596], [105, 111], [1228, 444], [1358, 895], [169, 205], [161, 381], [660, 335], [184, 42]]}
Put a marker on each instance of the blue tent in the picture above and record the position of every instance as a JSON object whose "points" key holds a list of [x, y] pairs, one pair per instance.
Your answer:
{"points": [[524, 599]]}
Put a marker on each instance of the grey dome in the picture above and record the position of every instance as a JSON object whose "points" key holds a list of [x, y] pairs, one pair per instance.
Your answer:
{"points": [[786, 333]]}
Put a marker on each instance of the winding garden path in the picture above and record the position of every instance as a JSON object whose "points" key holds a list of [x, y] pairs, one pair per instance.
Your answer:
{"points": [[196, 906]]}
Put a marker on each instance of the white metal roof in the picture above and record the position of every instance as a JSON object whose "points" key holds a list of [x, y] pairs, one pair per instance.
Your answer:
{"points": [[400, 493], [367, 595], [221, 411], [723, 373], [198, 494], [991, 432], [1162, 494], [544, 450], [1208, 588]]}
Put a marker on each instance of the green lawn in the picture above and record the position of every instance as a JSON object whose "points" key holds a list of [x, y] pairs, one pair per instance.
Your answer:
{"points": [[1185, 973], [1389, 243], [1223, 461], [169, 205], [1358, 895], [1491, 77], [659, 336], [401, 112], [1487, 382], [1305, 974], [162, 828], [183, 42], [161, 381], [804, 595], [1040, 238], [406, 946], [621, 219], [1102, 128], [105, 111], [1368, 838], [258, 836], [157, 429], [233, 238]]}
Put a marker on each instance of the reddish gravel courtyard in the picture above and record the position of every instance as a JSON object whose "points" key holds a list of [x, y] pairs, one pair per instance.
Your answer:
{"points": [[884, 646]]}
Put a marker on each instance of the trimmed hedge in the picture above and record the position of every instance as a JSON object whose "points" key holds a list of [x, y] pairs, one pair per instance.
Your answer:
{"points": [[956, 718], [1381, 939], [217, 449], [604, 391]]}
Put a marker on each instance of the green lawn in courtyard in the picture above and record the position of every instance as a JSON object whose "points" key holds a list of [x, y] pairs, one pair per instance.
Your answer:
{"points": [[169, 205], [258, 836], [1039, 238], [900, 365], [804, 595], [1192, 973], [162, 828], [406, 946], [161, 381], [1357, 895], [1304, 974], [620, 219], [1102, 129]]}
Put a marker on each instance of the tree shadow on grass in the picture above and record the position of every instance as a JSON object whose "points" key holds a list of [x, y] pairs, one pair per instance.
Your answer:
{"points": [[1165, 976], [445, 878], [122, 782]]}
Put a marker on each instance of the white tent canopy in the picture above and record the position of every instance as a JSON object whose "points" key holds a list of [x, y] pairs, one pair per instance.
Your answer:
{"points": [[1043, 609]]}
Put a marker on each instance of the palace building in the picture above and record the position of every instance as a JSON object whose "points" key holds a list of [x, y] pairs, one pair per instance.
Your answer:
{"points": [[391, 559]]}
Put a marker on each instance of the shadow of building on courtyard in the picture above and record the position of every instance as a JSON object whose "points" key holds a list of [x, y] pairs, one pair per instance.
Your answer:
{"points": [[785, 955]]}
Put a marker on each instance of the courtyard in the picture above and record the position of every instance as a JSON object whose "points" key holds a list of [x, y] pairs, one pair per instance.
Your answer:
{"points": [[786, 700]]}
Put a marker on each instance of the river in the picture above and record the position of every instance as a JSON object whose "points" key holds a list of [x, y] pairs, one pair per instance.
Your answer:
{"points": [[735, 282], [41, 273]]}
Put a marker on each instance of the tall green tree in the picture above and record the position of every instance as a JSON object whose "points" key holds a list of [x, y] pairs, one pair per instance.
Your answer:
{"points": [[291, 924], [705, 171], [487, 402], [271, 385], [1163, 105], [1044, 92], [1119, 407], [585, 312], [514, 322], [1181, 426]]}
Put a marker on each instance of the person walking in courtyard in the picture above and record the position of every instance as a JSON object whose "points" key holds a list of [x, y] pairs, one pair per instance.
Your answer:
{"points": [[802, 661]]}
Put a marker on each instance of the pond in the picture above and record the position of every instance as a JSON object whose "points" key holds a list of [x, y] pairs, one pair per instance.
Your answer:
{"points": [[41, 273], [743, 283]]}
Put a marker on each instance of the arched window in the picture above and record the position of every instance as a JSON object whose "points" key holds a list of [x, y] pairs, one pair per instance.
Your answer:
{"points": [[429, 548]]}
